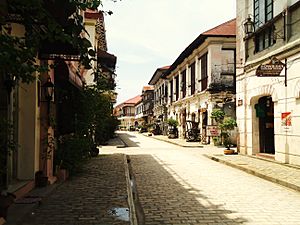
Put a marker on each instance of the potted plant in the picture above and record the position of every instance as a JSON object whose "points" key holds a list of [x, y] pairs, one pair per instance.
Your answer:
{"points": [[172, 130], [227, 125]]}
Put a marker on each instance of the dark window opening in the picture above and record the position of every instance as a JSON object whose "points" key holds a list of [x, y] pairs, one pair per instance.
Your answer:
{"points": [[204, 77], [183, 77], [177, 88], [193, 77], [171, 94], [264, 39]]}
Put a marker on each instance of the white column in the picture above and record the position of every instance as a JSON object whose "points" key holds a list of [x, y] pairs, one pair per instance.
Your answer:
{"points": [[179, 89], [197, 74]]}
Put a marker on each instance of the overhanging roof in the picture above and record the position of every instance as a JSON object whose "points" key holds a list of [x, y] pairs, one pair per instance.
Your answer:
{"points": [[227, 29], [158, 74]]}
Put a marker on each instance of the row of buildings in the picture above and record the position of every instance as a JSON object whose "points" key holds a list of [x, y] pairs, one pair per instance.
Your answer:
{"points": [[34, 109], [249, 68]]}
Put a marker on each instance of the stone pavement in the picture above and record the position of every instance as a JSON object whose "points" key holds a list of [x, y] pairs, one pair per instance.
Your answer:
{"points": [[177, 141], [180, 186], [280, 173], [98, 195]]}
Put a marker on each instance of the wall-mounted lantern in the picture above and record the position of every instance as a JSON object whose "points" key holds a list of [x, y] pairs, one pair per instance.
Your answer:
{"points": [[48, 92], [248, 26]]}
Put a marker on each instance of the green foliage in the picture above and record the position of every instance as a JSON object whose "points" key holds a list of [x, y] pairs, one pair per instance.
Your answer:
{"points": [[172, 122], [73, 152], [217, 141], [95, 115], [7, 144], [228, 124], [218, 115], [18, 55]]}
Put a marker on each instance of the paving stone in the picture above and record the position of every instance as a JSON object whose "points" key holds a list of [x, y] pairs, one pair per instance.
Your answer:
{"points": [[184, 187], [87, 197]]}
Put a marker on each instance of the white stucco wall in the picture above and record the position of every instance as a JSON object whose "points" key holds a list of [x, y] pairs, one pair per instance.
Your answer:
{"points": [[286, 99]]}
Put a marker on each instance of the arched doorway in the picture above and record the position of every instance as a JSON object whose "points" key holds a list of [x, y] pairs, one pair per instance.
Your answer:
{"points": [[265, 113]]}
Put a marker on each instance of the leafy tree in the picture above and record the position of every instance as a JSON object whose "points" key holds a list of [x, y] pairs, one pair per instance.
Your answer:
{"points": [[55, 21]]}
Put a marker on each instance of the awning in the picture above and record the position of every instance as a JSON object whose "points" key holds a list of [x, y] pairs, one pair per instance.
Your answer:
{"points": [[106, 59]]}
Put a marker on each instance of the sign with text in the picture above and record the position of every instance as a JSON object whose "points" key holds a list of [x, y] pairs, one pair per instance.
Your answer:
{"points": [[213, 131], [272, 69], [286, 121]]}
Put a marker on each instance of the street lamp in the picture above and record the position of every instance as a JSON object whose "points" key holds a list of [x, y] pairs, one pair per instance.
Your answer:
{"points": [[48, 88], [248, 26], [48, 91]]}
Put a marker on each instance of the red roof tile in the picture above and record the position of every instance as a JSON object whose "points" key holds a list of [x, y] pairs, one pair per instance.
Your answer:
{"points": [[148, 88], [133, 100], [224, 29], [164, 68], [93, 14]]}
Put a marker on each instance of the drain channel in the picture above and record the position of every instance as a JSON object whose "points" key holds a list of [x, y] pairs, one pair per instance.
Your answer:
{"points": [[139, 218]]}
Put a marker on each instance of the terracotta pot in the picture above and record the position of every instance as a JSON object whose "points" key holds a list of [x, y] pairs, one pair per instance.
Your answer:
{"points": [[228, 151]]}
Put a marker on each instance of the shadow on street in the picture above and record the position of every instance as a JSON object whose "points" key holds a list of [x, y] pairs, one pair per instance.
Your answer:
{"points": [[166, 198], [127, 139]]}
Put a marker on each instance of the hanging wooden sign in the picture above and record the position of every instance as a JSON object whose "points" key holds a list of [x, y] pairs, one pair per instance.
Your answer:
{"points": [[272, 69]]}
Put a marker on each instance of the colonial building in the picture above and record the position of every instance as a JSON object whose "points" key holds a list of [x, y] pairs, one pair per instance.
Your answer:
{"points": [[203, 78], [148, 96], [125, 112], [42, 110], [160, 85], [139, 120], [268, 79]]}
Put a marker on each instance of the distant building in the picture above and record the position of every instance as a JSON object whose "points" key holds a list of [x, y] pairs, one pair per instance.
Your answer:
{"points": [[148, 97], [160, 84], [202, 78], [125, 112]]}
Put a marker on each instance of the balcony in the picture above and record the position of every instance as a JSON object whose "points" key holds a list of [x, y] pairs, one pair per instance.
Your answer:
{"points": [[216, 87]]}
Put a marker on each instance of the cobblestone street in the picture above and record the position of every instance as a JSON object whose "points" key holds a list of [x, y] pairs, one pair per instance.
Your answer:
{"points": [[89, 198], [175, 186], [180, 186]]}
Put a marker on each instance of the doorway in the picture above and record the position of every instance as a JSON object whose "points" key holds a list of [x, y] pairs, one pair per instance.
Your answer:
{"points": [[265, 113]]}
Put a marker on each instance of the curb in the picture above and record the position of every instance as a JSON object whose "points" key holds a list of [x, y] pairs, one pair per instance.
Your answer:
{"points": [[123, 145], [255, 173], [132, 211], [174, 143]]}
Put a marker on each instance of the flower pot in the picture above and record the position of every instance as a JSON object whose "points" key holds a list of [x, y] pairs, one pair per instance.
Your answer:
{"points": [[228, 151]]}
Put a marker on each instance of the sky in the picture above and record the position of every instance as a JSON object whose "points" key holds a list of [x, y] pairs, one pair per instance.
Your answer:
{"points": [[148, 34]]}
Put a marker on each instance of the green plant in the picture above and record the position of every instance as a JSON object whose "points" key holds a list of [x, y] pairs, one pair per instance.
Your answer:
{"points": [[172, 122], [72, 152], [218, 115], [53, 22], [226, 126], [7, 146], [217, 141]]}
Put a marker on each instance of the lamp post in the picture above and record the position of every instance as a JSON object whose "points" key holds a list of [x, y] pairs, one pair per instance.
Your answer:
{"points": [[48, 91]]}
